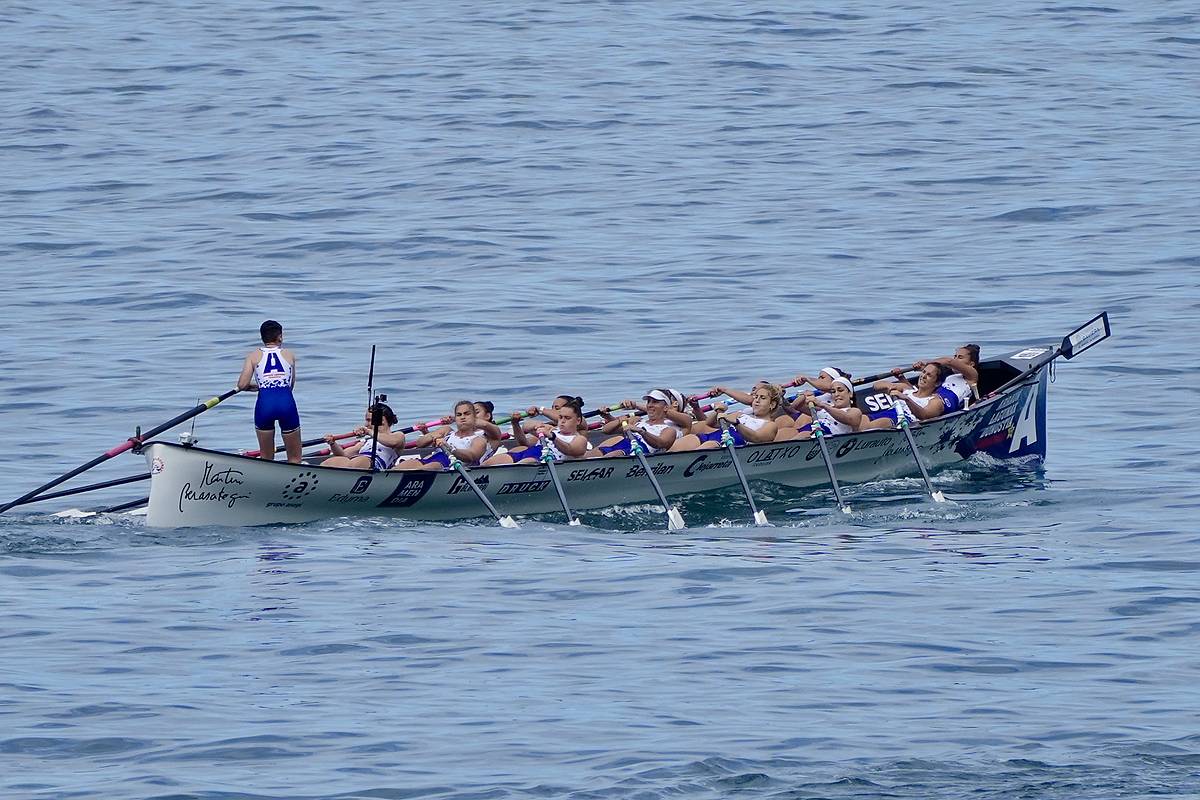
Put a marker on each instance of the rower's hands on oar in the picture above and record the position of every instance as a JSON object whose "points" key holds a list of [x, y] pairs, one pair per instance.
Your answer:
{"points": [[716, 391]]}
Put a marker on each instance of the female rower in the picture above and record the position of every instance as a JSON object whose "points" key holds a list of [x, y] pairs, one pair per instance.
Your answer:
{"points": [[963, 381], [797, 413], [484, 418], [756, 425], [562, 441], [834, 412], [358, 455], [467, 442], [655, 432], [929, 399], [823, 382], [550, 413]]}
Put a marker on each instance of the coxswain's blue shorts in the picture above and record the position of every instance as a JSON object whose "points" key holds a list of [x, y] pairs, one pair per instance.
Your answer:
{"points": [[276, 405]]}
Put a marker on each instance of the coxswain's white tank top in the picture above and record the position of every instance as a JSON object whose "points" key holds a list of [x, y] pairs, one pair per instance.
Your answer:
{"points": [[273, 371]]}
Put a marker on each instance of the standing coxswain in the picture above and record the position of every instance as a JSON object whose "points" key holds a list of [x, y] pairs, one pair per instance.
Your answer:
{"points": [[271, 371]]}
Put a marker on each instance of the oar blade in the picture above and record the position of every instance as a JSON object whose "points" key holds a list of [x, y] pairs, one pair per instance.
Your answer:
{"points": [[1087, 335], [508, 522], [760, 519], [675, 520], [938, 497]]}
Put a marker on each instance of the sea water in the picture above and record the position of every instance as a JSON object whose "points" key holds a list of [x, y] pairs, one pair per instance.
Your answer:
{"points": [[511, 201]]}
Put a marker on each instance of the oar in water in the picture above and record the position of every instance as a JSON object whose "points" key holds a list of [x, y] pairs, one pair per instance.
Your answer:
{"points": [[505, 521], [934, 494], [200, 408], [548, 459], [760, 517], [674, 518], [125, 506], [819, 435]]}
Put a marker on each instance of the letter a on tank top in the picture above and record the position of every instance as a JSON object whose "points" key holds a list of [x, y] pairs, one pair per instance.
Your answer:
{"points": [[273, 364]]}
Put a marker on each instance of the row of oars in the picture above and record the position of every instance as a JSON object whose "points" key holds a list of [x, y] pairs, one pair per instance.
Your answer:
{"points": [[674, 517]]}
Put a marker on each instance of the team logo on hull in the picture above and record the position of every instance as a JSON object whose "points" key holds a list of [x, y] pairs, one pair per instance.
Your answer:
{"points": [[412, 487], [299, 486]]}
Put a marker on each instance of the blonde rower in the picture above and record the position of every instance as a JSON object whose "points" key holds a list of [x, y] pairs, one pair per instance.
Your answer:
{"points": [[755, 425]]}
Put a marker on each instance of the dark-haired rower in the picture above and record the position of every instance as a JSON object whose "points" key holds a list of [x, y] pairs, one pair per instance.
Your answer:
{"points": [[927, 400], [466, 442], [386, 445], [550, 413], [964, 382], [563, 440]]}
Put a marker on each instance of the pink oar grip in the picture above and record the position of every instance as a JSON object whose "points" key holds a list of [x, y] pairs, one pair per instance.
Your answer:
{"points": [[121, 448]]}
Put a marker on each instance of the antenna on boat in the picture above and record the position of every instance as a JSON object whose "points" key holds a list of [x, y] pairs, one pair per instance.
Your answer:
{"points": [[371, 377]]}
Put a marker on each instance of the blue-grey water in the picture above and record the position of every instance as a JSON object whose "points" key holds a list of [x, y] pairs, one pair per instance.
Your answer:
{"points": [[513, 200]]}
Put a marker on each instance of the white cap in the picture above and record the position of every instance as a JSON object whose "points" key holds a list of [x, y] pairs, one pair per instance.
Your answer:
{"points": [[845, 382], [657, 394], [831, 373]]}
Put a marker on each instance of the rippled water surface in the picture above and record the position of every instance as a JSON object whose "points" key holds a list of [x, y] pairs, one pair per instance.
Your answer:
{"points": [[512, 201]]}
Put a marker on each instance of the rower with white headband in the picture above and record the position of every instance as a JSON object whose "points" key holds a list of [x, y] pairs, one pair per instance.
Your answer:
{"points": [[798, 410], [833, 412]]}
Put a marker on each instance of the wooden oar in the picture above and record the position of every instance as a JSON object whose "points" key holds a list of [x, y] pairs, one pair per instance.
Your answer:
{"points": [[760, 517], [833, 481], [200, 408], [674, 518], [457, 466], [548, 459], [934, 494]]}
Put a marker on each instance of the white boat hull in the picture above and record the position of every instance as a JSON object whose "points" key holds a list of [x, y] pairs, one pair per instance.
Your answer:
{"points": [[191, 486]]}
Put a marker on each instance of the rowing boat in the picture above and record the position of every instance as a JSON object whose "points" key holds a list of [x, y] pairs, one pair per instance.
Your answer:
{"points": [[192, 486]]}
